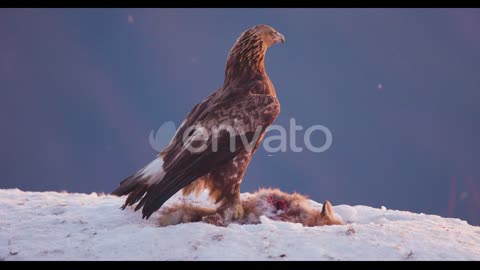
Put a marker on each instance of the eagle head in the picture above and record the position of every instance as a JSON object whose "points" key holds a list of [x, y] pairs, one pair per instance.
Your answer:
{"points": [[256, 39], [246, 58], [268, 34]]}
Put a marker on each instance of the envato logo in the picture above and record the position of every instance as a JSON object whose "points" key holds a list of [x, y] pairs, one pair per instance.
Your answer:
{"points": [[198, 138]]}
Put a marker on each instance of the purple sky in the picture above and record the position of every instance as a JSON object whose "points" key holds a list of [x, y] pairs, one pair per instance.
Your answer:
{"points": [[82, 89]]}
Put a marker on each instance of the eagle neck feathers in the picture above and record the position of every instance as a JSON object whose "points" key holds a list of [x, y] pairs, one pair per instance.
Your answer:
{"points": [[245, 61]]}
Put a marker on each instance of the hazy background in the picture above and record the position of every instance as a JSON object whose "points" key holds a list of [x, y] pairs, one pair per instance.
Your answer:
{"points": [[82, 89]]}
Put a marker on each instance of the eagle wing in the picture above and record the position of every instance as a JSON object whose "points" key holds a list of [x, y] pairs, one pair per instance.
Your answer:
{"points": [[249, 115]]}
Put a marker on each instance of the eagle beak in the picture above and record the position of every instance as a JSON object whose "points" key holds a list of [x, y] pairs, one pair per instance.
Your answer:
{"points": [[280, 38]]}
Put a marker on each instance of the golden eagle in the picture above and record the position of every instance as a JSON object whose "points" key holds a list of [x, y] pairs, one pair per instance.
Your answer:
{"points": [[213, 146]]}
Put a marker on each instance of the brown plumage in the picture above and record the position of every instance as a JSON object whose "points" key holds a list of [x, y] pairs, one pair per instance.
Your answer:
{"points": [[272, 203], [241, 110]]}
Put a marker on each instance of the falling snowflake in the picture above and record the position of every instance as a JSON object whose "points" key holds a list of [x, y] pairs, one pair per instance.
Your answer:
{"points": [[131, 19]]}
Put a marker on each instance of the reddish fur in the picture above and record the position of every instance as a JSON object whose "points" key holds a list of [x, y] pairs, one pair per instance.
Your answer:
{"points": [[272, 203]]}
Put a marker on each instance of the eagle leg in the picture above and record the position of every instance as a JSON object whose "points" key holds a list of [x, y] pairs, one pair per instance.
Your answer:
{"points": [[225, 214], [232, 210]]}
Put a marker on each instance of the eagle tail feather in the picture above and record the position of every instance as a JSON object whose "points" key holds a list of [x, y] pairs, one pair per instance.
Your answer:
{"points": [[159, 193], [156, 199], [136, 185]]}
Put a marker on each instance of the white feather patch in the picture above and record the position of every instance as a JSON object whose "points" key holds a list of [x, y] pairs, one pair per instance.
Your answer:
{"points": [[153, 172]]}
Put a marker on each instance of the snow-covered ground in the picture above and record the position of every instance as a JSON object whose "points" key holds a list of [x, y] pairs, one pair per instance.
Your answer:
{"points": [[71, 226]]}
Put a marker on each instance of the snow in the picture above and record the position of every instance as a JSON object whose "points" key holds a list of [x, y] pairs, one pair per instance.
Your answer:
{"points": [[72, 226]]}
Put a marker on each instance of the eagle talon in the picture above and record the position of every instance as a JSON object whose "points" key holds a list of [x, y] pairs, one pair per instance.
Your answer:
{"points": [[232, 212], [215, 219], [238, 211]]}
